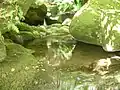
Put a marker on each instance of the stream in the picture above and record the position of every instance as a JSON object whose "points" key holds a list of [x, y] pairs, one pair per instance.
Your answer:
{"points": [[77, 73]]}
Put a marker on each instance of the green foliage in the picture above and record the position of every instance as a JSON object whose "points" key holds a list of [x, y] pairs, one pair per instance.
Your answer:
{"points": [[60, 7], [65, 6], [79, 3], [68, 6]]}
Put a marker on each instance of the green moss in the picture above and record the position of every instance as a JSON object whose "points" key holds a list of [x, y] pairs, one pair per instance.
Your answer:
{"points": [[18, 68], [96, 22]]}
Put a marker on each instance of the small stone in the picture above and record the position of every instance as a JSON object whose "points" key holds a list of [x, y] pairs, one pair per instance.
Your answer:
{"points": [[26, 68], [43, 69], [13, 69], [36, 82]]}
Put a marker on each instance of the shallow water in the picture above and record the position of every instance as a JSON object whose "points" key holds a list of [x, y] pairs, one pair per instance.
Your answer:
{"points": [[28, 73], [75, 74]]}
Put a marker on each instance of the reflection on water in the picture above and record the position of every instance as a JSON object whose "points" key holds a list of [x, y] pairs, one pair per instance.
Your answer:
{"points": [[73, 74], [76, 74]]}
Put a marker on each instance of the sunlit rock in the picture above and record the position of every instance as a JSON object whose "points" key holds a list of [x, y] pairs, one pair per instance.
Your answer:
{"points": [[97, 22]]}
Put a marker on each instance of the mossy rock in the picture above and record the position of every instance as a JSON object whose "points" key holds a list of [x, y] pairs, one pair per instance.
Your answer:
{"points": [[36, 15], [97, 22], [18, 68], [12, 11]]}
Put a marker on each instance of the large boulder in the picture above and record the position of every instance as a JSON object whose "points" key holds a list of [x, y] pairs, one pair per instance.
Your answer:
{"points": [[97, 22]]}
